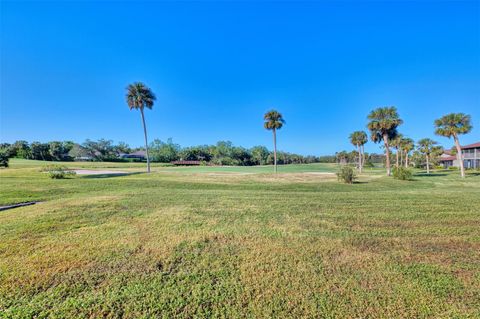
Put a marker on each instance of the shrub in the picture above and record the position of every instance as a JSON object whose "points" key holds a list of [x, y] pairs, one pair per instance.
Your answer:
{"points": [[57, 171], [3, 158], [402, 173], [346, 174]]}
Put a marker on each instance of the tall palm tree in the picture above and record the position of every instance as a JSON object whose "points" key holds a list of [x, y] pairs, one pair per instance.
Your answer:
{"points": [[407, 145], [273, 121], [383, 126], [138, 97], [454, 124], [425, 146], [359, 138]]}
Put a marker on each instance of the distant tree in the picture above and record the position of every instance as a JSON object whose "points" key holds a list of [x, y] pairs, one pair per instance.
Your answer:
{"points": [[101, 150], [196, 153], [341, 157], [58, 151], [40, 151], [259, 155], [139, 97], [383, 126], [452, 125], [407, 145], [242, 156], [274, 121], [359, 138], [326, 159], [20, 149], [4, 157], [164, 152], [122, 148], [425, 147], [80, 152]]}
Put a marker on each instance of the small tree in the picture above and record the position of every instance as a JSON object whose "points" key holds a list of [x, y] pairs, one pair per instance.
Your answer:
{"points": [[346, 174], [452, 125], [407, 145], [3, 158], [402, 173], [359, 138], [425, 147]]}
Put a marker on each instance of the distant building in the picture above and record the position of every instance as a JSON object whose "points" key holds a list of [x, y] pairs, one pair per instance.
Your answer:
{"points": [[137, 155], [470, 156]]}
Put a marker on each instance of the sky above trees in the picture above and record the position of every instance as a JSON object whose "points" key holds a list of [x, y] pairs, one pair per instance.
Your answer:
{"points": [[217, 67]]}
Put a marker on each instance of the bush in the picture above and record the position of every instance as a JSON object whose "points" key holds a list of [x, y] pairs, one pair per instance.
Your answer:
{"points": [[346, 174], [402, 173], [3, 158], [57, 171]]}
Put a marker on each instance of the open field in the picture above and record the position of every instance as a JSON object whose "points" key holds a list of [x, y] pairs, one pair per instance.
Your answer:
{"points": [[238, 242]]}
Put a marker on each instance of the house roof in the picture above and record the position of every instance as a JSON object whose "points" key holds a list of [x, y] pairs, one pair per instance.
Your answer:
{"points": [[447, 158], [474, 145], [138, 153]]}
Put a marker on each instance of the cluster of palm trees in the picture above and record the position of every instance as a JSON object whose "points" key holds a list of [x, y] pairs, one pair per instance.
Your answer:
{"points": [[383, 126]]}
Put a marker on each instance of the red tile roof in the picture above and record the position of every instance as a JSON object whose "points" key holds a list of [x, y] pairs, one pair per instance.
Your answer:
{"points": [[447, 158], [474, 145]]}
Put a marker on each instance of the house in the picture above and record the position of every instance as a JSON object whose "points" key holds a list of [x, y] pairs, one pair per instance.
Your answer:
{"points": [[137, 155], [470, 155]]}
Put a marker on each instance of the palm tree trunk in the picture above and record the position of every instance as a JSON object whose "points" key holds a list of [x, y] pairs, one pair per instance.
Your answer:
{"points": [[387, 154], [359, 158], [363, 155], [275, 150], [428, 164], [146, 142], [406, 159], [459, 155], [401, 157], [396, 154]]}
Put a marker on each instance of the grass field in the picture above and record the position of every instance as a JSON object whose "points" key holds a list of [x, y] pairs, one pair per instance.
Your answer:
{"points": [[209, 242]]}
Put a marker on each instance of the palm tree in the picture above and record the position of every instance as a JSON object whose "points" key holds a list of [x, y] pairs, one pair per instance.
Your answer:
{"points": [[273, 121], [383, 126], [139, 96], [395, 142], [425, 146], [454, 124], [407, 145], [359, 138]]}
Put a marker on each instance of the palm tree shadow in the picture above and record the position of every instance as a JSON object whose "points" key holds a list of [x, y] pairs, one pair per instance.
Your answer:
{"points": [[93, 176], [429, 175], [472, 174]]}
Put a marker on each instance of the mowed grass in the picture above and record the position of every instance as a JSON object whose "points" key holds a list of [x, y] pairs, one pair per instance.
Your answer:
{"points": [[212, 242]]}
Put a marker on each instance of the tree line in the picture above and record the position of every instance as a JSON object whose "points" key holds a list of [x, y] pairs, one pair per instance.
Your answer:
{"points": [[221, 153]]}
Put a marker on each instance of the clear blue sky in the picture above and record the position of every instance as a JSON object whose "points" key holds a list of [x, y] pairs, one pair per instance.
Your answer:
{"points": [[216, 67]]}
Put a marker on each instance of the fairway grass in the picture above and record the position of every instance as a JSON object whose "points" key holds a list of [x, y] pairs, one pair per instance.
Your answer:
{"points": [[236, 242]]}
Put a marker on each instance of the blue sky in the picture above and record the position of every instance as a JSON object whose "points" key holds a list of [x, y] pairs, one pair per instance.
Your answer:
{"points": [[217, 67]]}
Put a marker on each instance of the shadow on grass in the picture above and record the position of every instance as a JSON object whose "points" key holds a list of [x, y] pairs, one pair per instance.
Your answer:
{"points": [[472, 174], [109, 175], [430, 175]]}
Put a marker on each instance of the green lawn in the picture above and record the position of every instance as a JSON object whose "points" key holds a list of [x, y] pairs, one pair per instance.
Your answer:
{"points": [[206, 242]]}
